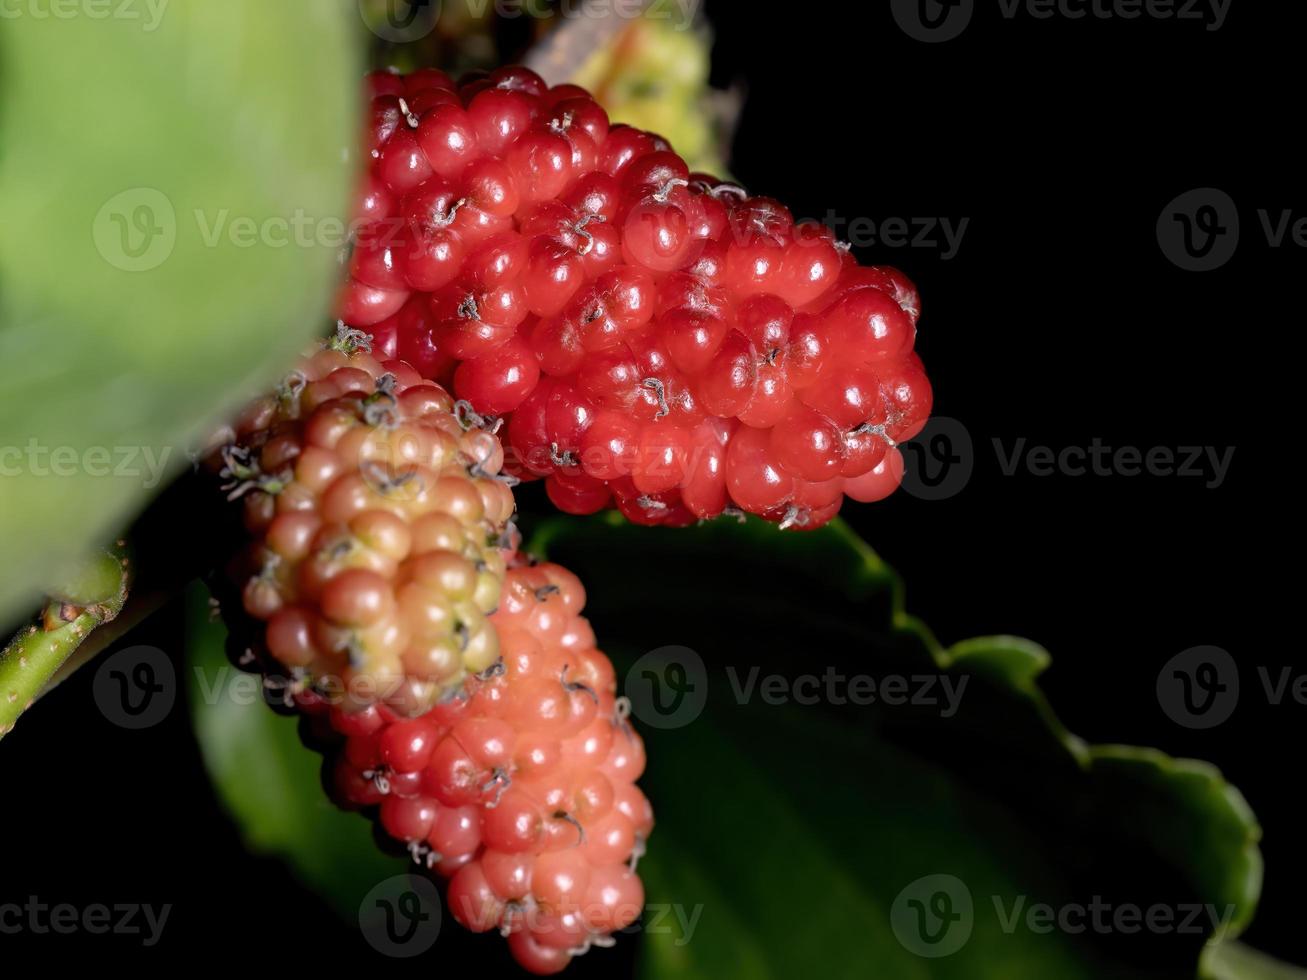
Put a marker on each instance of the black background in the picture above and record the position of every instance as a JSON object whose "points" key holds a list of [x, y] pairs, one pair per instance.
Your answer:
{"points": [[1058, 321]]}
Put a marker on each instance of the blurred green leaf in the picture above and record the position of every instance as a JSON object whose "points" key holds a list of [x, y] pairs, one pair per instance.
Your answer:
{"points": [[268, 781], [801, 835], [174, 181], [1235, 961]]}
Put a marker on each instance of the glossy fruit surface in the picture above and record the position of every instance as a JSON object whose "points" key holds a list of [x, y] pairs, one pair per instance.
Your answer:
{"points": [[631, 319], [520, 786]]}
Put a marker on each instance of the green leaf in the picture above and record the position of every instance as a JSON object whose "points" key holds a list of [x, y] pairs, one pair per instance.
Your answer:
{"points": [[158, 159], [793, 838], [1235, 961], [268, 781], [802, 833]]}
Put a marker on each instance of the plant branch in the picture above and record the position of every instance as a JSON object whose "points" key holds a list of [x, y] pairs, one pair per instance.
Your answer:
{"points": [[185, 533], [33, 656]]}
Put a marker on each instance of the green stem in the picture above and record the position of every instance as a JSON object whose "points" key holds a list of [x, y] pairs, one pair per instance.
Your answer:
{"points": [[31, 658]]}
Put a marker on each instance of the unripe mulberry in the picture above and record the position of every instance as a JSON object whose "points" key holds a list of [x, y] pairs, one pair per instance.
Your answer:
{"points": [[521, 789], [378, 516], [453, 686]]}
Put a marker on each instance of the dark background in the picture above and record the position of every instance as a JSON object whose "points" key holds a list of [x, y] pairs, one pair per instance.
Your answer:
{"points": [[1059, 320]]}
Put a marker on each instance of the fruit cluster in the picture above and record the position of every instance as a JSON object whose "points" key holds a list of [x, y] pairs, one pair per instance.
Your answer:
{"points": [[656, 338], [454, 686], [521, 788], [377, 520]]}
